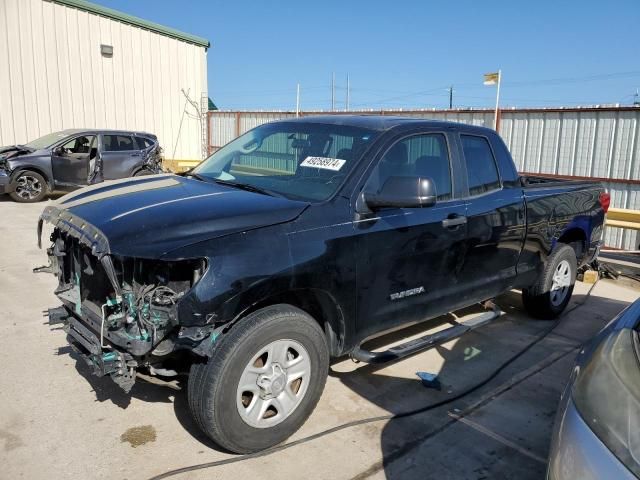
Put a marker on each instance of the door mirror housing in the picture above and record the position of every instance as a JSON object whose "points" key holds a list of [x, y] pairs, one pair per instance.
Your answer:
{"points": [[403, 192], [60, 151]]}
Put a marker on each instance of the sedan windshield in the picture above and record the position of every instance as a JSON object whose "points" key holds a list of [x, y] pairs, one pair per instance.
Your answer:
{"points": [[303, 161], [47, 140]]}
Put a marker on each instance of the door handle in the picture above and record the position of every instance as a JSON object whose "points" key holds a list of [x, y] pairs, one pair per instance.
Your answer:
{"points": [[454, 221]]}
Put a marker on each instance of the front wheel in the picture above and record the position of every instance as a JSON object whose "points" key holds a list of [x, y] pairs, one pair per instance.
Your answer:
{"points": [[30, 187], [551, 294], [263, 380]]}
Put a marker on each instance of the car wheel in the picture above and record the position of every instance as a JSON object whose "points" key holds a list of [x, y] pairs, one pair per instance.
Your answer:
{"points": [[550, 295], [263, 380], [143, 173], [30, 187]]}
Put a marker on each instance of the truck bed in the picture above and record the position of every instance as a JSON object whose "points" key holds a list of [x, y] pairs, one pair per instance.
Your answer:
{"points": [[532, 181]]}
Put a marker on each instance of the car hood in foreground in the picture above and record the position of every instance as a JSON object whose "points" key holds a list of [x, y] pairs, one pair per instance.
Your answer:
{"points": [[151, 216]]}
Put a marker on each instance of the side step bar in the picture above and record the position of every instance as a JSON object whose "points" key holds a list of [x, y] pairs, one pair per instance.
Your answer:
{"points": [[460, 327]]}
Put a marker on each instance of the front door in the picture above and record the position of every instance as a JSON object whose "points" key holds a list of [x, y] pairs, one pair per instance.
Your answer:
{"points": [[70, 161], [120, 156], [408, 260]]}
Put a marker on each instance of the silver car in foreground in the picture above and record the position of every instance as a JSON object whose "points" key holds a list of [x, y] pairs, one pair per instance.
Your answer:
{"points": [[597, 430]]}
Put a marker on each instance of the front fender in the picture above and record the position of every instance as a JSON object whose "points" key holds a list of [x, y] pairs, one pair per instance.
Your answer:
{"points": [[242, 269], [39, 161]]}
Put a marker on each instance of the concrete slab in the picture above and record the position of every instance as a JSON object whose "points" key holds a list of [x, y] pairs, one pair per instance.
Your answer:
{"points": [[57, 421]]}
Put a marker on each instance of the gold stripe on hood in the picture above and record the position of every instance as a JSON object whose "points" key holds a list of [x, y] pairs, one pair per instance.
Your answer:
{"points": [[165, 181]]}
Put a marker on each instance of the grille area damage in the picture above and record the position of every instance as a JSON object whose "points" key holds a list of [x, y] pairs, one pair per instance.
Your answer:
{"points": [[119, 313]]}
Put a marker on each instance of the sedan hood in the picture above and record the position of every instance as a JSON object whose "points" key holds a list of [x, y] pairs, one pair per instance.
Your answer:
{"points": [[150, 216]]}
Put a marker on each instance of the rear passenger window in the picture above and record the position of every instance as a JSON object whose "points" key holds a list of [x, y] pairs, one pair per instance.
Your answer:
{"points": [[143, 142], [118, 143], [419, 156], [482, 173]]}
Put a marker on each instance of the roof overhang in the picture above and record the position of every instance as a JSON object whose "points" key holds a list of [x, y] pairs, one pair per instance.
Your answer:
{"points": [[135, 21]]}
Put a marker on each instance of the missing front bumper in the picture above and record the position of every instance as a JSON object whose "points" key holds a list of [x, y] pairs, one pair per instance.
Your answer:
{"points": [[102, 360]]}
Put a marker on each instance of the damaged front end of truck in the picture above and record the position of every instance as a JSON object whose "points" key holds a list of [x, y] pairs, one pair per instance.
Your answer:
{"points": [[120, 313]]}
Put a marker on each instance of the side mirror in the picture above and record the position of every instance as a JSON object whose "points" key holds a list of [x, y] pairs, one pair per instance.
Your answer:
{"points": [[59, 151], [403, 192]]}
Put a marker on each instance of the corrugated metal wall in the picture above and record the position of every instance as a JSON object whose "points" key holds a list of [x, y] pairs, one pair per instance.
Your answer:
{"points": [[53, 77], [601, 143]]}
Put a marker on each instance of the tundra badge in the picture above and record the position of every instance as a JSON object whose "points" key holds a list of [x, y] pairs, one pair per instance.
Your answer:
{"points": [[406, 293]]}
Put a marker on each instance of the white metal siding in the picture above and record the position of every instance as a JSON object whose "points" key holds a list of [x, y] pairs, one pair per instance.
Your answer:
{"points": [[54, 77]]}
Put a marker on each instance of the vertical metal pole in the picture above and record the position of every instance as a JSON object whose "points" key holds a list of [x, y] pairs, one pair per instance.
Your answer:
{"points": [[298, 100], [451, 97], [497, 100], [612, 146], [348, 92], [556, 160], [333, 91]]}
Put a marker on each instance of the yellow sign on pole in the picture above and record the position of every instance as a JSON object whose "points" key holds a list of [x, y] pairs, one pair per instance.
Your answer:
{"points": [[494, 79], [491, 78]]}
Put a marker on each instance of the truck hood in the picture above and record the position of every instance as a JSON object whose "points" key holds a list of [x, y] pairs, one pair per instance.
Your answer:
{"points": [[150, 216]]}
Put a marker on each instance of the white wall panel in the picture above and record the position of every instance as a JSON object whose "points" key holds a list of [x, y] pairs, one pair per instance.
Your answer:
{"points": [[55, 77]]}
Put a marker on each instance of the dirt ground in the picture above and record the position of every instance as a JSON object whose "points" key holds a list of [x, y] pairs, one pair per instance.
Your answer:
{"points": [[57, 421]]}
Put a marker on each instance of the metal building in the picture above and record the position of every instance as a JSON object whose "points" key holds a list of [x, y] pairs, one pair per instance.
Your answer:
{"points": [[74, 64], [594, 143]]}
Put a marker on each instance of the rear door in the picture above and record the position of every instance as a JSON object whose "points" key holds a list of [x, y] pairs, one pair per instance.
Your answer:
{"points": [[495, 212], [120, 156], [408, 260], [70, 162]]}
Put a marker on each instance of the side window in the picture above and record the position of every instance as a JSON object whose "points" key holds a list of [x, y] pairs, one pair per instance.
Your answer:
{"points": [[482, 173], [142, 143], [81, 144], [117, 143], [421, 156]]}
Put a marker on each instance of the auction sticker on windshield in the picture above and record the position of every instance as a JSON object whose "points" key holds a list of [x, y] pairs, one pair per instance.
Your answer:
{"points": [[334, 164]]}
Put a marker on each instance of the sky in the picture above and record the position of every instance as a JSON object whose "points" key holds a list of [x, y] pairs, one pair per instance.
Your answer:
{"points": [[408, 53]]}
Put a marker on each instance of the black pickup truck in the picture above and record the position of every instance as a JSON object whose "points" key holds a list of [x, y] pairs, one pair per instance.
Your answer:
{"points": [[294, 244]]}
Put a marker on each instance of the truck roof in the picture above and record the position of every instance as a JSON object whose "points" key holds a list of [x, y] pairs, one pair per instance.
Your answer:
{"points": [[384, 122]]}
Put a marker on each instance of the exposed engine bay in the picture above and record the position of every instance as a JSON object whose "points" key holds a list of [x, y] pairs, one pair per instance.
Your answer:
{"points": [[119, 313]]}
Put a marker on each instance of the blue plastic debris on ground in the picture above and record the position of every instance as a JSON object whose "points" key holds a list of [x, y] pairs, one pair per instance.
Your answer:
{"points": [[429, 380]]}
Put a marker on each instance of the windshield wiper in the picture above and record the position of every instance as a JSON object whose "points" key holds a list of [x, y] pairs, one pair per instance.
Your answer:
{"points": [[247, 187], [197, 176]]}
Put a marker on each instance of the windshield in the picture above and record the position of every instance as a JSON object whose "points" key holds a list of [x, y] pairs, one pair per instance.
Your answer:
{"points": [[47, 140], [302, 161]]}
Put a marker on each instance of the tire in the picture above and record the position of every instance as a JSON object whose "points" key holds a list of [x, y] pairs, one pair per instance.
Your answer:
{"points": [[30, 187], [143, 173], [271, 347], [544, 299]]}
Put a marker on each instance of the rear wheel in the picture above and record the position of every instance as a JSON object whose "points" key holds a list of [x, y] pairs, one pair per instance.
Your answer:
{"points": [[550, 295], [143, 173], [263, 380], [30, 187]]}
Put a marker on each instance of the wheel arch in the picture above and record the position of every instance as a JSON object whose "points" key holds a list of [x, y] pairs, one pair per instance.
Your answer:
{"points": [[576, 238], [319, 304], [136, 169], [32, 168]]}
